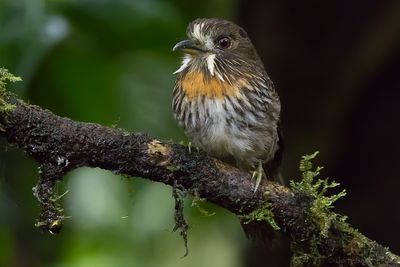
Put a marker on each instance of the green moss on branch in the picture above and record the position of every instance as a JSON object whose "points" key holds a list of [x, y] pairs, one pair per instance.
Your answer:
{"points": [[353, 248], [5, 78], [263, 214], [317, 189]]}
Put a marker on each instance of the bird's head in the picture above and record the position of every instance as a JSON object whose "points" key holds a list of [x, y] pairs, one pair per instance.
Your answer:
{"points": [[216, 46]]}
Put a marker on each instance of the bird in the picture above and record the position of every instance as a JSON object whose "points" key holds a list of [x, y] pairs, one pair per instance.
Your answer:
{"points": [[225, 100], [228, 105]]}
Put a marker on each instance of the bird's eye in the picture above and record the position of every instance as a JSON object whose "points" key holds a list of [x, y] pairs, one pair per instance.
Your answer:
{"points": [[224, 42]]}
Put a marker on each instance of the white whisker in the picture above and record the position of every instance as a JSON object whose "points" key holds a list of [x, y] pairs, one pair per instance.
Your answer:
{"points": [[211, 63], [185, 62]]}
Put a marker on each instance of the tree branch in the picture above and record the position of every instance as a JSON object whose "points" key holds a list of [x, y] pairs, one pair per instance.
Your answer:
{"points": [[61, 144]]}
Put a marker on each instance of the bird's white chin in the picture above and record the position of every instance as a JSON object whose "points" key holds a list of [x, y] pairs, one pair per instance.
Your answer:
{"points": [[197, 61]]}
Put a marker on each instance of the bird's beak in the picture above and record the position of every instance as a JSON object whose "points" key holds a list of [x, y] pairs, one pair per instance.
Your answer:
{"points": [[187, 46]]}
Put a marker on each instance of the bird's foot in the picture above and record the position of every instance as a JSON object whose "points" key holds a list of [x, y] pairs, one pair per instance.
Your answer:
{"points": [[257, 175], [190, 147]]}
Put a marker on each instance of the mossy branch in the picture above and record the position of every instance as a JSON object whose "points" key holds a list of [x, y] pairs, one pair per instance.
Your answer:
{"points": [[319, 236], [6, 77]]}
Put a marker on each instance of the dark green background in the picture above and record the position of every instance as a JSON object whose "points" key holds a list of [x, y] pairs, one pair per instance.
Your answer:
{"points": [[335, 65]]}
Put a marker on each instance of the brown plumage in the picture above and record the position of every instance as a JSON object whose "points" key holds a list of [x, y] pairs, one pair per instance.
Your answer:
{"points": [[225, 100]]}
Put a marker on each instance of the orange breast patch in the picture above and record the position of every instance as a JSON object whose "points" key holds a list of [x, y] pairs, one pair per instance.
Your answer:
{"points": [[194, 84]]}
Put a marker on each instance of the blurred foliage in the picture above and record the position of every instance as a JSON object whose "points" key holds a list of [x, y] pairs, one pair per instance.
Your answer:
{"points": [[108, 62]]}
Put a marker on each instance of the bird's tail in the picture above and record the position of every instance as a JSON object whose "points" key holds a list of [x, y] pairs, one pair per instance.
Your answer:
{"points": [[260, 231]]}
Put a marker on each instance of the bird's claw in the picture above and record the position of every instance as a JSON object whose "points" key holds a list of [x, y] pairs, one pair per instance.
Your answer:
{"points": [[190, 147], [257, 175]]}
